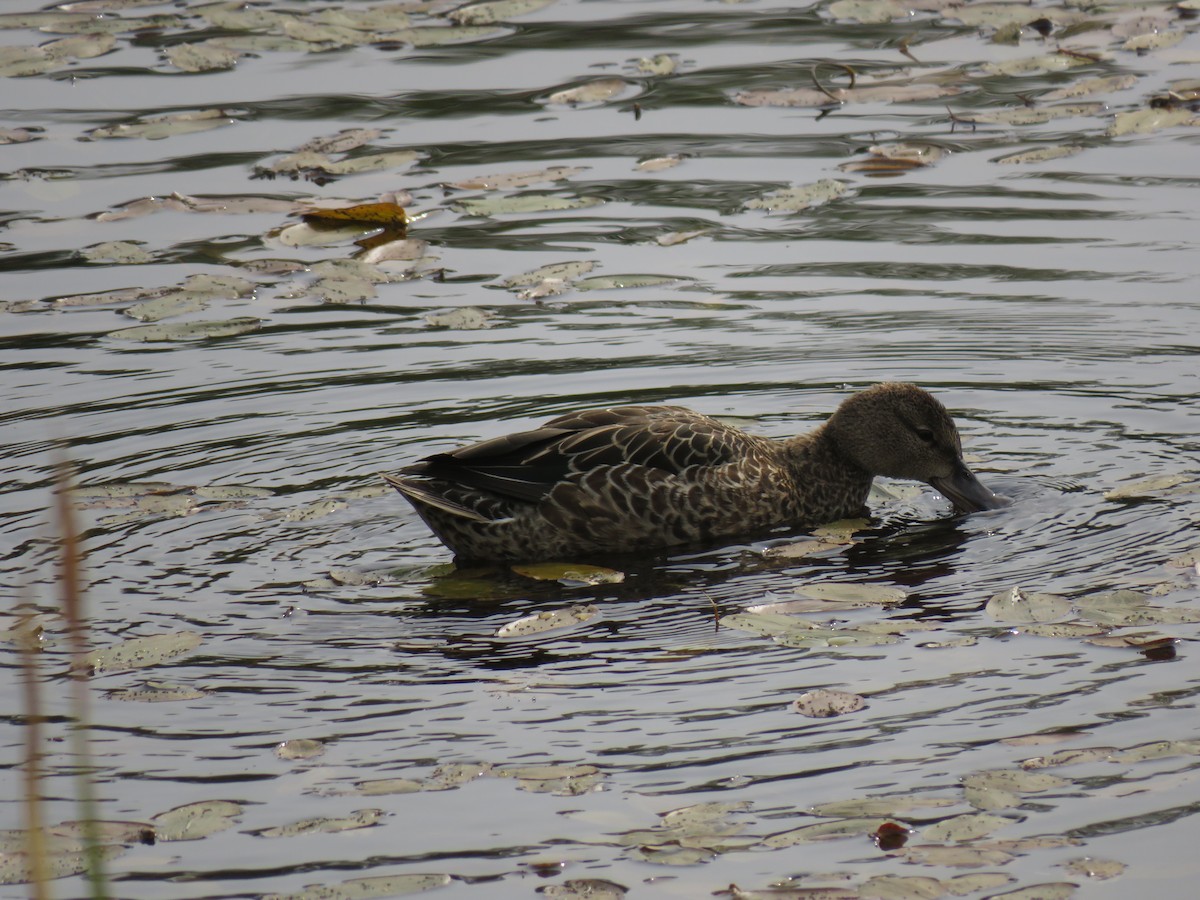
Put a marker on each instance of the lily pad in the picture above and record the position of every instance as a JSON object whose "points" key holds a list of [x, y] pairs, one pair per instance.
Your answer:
{"points": [[495, 11], [1096, 869], [188, 331], [955, 857], [360, 818], [589, 92], [967, 827], [570, 573], [800, 198], [300, 748], [138, 653], [825, 703], [823, 831], [550, 620], [156, 692], [522, 204], [196, 820], [466, 318], [516, 179], [1016, 605], [363, 888]]}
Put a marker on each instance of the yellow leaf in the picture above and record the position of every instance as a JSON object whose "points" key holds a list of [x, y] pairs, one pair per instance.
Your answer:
{"points": [[390, 215]]}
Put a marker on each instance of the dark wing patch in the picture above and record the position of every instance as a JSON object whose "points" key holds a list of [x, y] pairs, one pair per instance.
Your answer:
{"points": [[526, 466]]}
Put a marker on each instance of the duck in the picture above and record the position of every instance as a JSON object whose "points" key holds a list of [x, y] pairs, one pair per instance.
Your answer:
{"points": [[644, 478]]}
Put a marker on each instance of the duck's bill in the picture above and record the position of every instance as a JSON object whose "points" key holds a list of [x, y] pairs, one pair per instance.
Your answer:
{"points": [[967, 492]]}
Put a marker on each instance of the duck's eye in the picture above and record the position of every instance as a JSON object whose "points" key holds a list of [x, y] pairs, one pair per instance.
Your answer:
{"points": [[925, 435]]}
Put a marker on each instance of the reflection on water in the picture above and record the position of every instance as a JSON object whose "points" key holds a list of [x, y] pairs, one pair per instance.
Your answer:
{"points": [[1049, 305]]}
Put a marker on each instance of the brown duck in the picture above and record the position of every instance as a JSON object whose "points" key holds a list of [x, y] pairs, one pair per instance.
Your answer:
{"points": [[635, 478]]}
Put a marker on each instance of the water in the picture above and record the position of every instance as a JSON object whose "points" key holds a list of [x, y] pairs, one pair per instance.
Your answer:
{"points": [[1051, 306]]}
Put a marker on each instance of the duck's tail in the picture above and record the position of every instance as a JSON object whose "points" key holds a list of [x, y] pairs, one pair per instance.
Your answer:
{"points": [[418, 492]]}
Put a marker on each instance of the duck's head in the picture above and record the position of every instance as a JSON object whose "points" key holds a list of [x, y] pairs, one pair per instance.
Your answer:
{"points": [[901, 431]]}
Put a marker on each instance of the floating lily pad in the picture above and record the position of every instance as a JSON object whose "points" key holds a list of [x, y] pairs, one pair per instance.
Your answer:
{"points": [[374, 886], [570, 573], [566, 271], [823, 831], [550, 620], [176, 303], [962, 885], [516, 179], [1058, 890], [624, 282], [1041, 64], [360, 818], [381, 786], [202, 56], [1017, 780], [1016, 605], [1147, 487], [124, 253], [495, 11], [825, 703], [156, 692], [1040, 154], [138, 653], [300, 748], [452, 775], [584, 889], [967, 827], [589, 92], [892, 805], [1148, 121], [1061, 629], [159, 127], [188, 331], [1069, 757], [801, 549], [898, 92], [522, 204], [196, 820], [956, 857], [318, 509], [800, 198], [671, 238], [15, 867], [671, 854], [848, 595], [466, 318], [1096, 869]]}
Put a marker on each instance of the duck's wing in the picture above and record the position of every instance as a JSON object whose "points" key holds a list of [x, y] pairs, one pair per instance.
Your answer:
{"points": [[527, 465]]}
